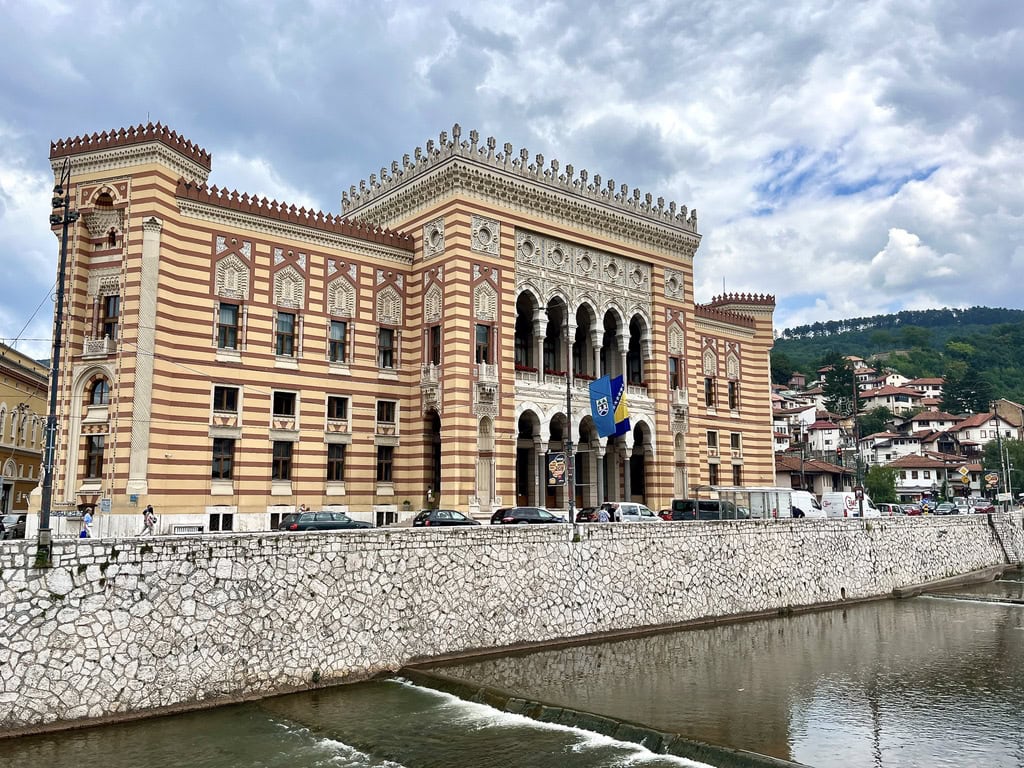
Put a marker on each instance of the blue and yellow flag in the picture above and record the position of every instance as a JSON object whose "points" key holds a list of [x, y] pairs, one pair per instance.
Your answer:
{"points": [[621, 409], [602, 406]]}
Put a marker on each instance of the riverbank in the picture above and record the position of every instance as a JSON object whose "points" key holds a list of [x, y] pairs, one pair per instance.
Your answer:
{"points": [[126, 628]]}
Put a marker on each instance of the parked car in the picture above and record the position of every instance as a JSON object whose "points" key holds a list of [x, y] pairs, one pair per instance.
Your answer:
{"points": [[945, 508], [630, 512], [805, 504], [13, 526], [888, 510], [911, 509], [705, 509], [520, 515], [846, 504], [982, 506], [325, 521], [587, 515], [430, 517], [665, 514], [287, 520], [499, 514]]}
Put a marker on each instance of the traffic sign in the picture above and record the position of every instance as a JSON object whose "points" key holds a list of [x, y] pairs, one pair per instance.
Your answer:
{"points": [[992, 479], [964, 471], [965, 480]]}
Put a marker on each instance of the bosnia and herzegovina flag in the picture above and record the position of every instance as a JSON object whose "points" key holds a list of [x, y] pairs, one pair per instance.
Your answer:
{"points": [[621, 409], [608, 406]]}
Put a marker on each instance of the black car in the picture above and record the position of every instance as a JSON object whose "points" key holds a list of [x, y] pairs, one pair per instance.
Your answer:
{"points": [[430, 517], [13, 526], [499, 514], [587, 515], [325, 521], [706, 509], [287, 520], [519, 515]]}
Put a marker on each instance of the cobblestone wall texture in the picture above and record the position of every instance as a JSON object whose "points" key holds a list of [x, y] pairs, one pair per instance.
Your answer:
{"points": [[118, 627]]}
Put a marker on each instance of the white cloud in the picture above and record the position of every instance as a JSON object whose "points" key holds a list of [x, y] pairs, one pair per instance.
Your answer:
{"points": [[850, 158]]}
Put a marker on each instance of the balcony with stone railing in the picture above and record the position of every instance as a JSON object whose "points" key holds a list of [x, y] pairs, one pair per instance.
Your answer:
{"points": [[487, 373], [99, 347]]}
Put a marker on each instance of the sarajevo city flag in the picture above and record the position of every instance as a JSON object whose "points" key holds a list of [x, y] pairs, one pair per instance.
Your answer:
{"points": [[602, 407], [621, 410]]}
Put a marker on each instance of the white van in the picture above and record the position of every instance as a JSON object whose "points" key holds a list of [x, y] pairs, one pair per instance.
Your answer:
{"points": [[845, 504], [805, 504]]}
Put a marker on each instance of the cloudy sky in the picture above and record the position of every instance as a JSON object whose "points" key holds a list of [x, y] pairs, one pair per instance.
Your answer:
{"points": [[850, 158]]}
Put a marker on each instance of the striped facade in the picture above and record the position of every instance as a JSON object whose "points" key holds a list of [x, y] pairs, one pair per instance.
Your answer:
{"points": [[227, 359]]}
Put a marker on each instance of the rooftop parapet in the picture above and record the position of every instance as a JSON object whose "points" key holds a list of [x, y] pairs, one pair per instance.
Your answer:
{"points": [[548, 174], [289, 213], [124, 137], [763, 299]]}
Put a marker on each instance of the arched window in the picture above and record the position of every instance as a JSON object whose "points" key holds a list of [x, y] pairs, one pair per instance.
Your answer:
{"points": [[99, 394]]}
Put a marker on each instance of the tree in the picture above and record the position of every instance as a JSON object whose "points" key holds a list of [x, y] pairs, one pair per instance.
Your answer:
{"points": [[839, 384], [782, 368], [875, 420], [1013, 451], [963, 390], [880, 484]]}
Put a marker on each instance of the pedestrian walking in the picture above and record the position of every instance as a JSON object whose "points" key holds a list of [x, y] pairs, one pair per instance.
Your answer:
{"points": [[86, 525], [148, 521], [602, 516]]}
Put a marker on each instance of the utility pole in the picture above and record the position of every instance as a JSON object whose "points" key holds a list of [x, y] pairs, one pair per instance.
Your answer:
{"points": [[63, 215]]}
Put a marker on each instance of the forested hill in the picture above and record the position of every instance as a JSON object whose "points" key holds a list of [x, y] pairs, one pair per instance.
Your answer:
{"points": [[915, 343], [952, 319]]}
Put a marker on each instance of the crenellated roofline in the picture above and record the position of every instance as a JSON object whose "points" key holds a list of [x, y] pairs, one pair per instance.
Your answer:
{"points": [[731, 299], [454, 164], [722, 316], [291, 214], [124, 137]]}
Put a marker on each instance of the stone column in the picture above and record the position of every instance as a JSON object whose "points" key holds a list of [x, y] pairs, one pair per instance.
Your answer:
{"points": [[142, 396], [627, 490], [623, 351], [539, 327], [595, 343]]}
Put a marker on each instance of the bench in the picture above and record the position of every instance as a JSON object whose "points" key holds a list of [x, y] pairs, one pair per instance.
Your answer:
{"points": [[180, 530]]}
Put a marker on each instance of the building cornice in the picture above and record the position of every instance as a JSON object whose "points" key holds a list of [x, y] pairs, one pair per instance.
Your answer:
{"points": [[274, 228], [125, 137], [119, 158], [455, 168]]}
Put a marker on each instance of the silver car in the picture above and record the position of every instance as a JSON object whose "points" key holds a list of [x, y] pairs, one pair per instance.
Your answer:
{"points": [[631, 512]]}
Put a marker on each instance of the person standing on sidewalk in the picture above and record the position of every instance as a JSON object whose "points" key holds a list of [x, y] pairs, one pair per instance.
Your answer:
{"points": [[86, 525], [148, 521]]}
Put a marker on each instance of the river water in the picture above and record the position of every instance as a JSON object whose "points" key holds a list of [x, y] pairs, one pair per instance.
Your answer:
{"points": [[935, 681]]}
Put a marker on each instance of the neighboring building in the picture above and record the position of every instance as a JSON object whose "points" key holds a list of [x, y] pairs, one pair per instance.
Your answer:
{"points": [[929, 387], [792, 470], [824, 438], [897, 399], [23, 407], [920, 476], [976, 430], [229, 358], [1012, 413]]}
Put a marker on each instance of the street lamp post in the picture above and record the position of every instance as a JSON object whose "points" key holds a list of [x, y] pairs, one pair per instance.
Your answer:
{"points": [[63, 215], [570, 474]]}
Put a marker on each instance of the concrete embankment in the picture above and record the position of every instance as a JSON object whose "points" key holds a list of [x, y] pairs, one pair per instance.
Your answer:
{"points": [[121, 628]]}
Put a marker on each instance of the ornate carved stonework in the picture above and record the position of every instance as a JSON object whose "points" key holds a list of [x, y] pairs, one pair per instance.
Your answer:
{"points": [[673, 284], [433, 238], [389, 307], [549, 266], [100, 221], [341, 298], [485, 399], [486, 235], [732, 366], [289, 288], [232, 278], [485, 302], [104, 282], [709, 362], [676, 340], [433, 304]]}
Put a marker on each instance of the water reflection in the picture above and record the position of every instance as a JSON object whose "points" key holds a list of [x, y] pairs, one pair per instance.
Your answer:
{"points": [[928, 681]]}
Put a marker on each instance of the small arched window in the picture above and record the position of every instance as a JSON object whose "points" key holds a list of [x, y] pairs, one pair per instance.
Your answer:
{"points": [[100, 393], [112, 237]]}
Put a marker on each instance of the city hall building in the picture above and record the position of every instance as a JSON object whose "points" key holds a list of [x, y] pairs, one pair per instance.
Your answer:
{"points": [[227, 358]]}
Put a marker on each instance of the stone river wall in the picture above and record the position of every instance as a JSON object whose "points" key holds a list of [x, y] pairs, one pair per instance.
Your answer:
{"points": [[126, 627]]}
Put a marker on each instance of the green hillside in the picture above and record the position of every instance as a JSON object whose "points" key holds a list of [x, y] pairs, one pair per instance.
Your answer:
{"points": [[990, 342]]}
